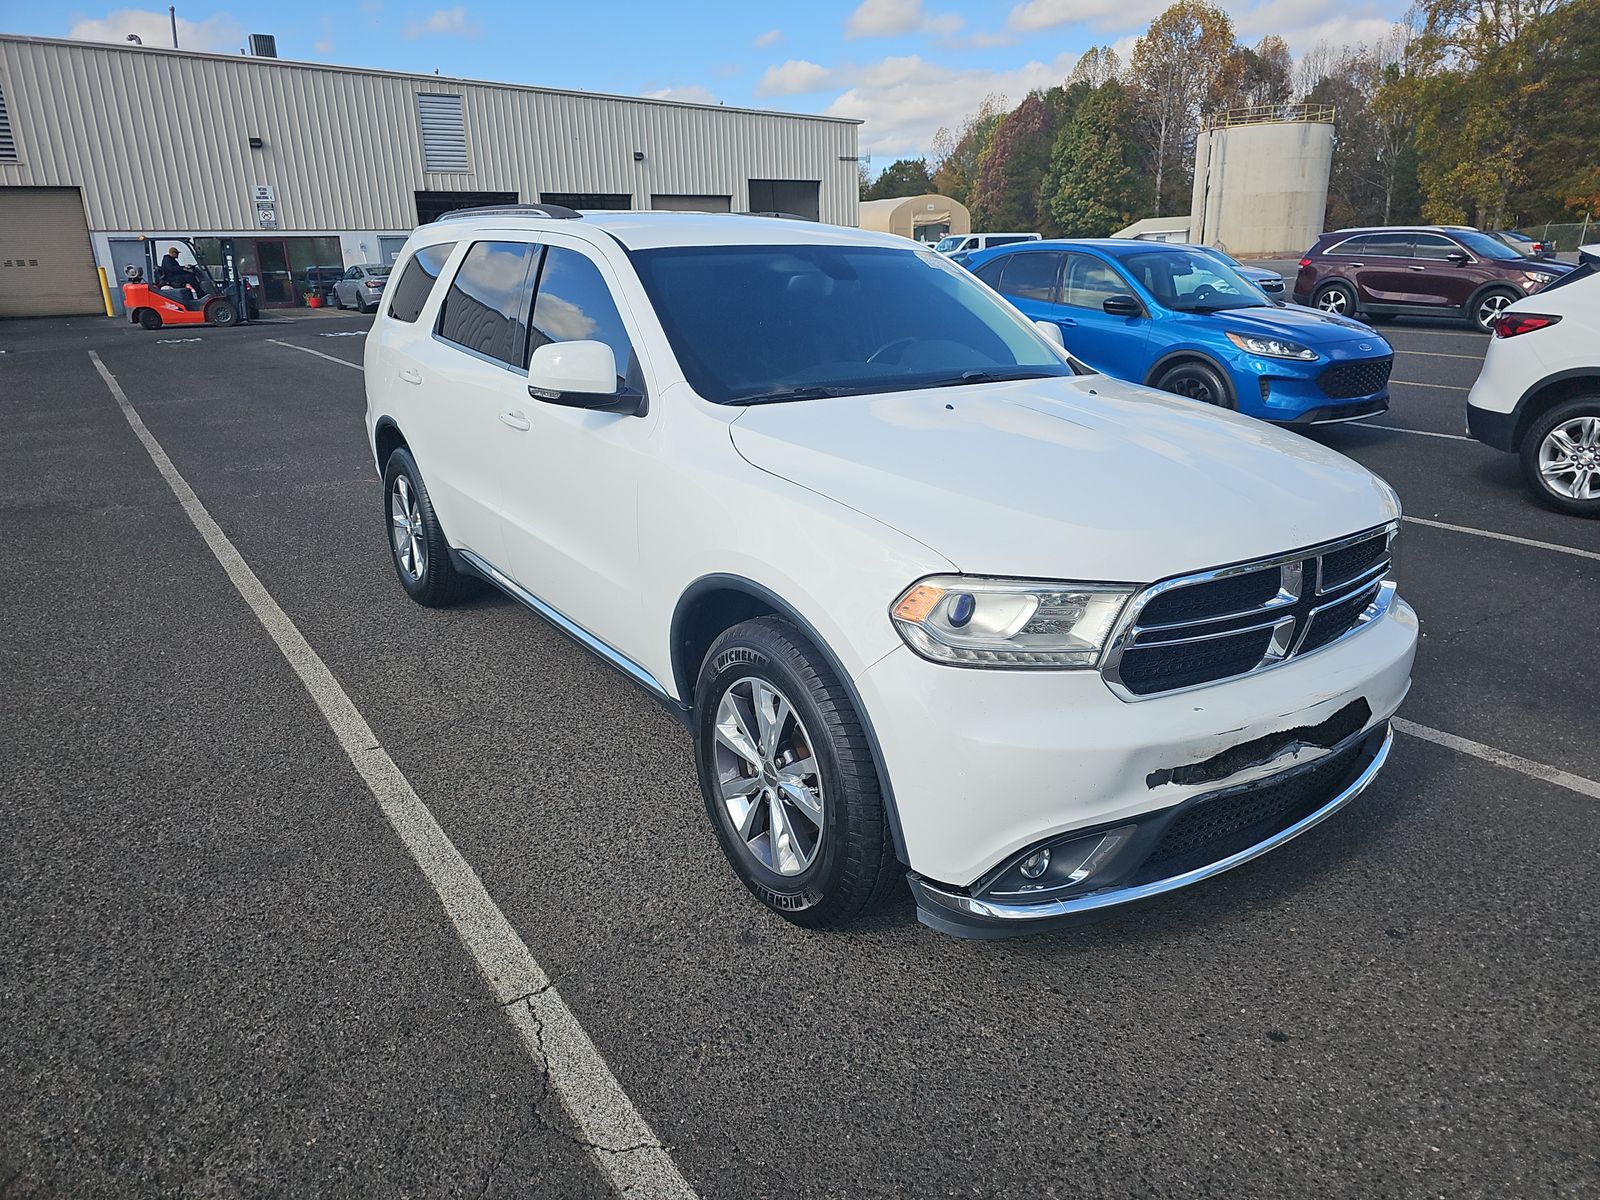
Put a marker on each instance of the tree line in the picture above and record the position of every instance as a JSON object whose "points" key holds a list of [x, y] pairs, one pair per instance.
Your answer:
{"points": [[1480, 112]]}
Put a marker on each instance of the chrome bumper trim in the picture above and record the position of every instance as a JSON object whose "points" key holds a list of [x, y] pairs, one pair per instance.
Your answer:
{"points": [[967, 914]]}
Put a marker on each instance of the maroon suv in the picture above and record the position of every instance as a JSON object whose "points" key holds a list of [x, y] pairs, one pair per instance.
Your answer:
{"points": [[1422, 270]]}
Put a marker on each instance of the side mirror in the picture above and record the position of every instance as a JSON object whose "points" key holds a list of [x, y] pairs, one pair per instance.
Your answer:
{"points": [[580, 375], [1051, 332], [1122, 305], [1457, 258]]}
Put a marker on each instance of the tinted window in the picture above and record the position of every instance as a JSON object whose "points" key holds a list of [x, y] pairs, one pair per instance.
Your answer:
{"points": [[1008, 239], [486, 308], [1089, 281], [1431, 245], [1389, 245], [753, 320], [1351, 246], [990, 271], [1485, 246], [1031, 276], [575, 305], [411, 291]]}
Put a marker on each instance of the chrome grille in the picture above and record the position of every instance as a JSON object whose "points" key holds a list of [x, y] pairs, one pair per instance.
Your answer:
{"points": [[1215, 625]]}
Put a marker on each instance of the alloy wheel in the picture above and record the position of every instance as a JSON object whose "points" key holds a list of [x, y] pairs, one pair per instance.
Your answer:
{"points": [[410, 545], [1490, 308], [1569, 459], [767, 776], [1334, 301]]}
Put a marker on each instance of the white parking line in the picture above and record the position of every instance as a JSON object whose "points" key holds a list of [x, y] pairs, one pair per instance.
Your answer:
{"points": [[1503, 537], [619, 1140], [1447, 387], [1439, 354], [1454, 437], [343, 362], [1501, 758]]}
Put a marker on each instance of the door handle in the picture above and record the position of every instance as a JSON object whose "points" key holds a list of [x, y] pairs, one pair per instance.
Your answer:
{"points": [[1067, 321], [1416, 268], [515, 419], [410, 374]]}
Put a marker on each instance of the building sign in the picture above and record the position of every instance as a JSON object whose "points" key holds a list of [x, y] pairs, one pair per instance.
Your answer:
{"points": [[264, 194], [266, 216]]}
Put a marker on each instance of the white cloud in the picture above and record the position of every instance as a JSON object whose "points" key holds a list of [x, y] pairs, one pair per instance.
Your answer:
{"points": [[220, 32], [888, 18], [902, 101], [793, 78], [690, 93], [1102, 14], [770, 38], [445, 22], [1303, 23]]}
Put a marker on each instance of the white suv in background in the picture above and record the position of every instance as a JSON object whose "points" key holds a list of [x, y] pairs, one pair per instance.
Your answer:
{"points": [[1538, 394], [934, 601]]}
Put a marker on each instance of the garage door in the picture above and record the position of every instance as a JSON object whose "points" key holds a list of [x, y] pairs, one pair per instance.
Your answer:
{"points": [[691, 203], [46, 265]]}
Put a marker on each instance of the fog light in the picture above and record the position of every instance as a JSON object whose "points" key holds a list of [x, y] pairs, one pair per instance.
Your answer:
{"points": [[1065, 863], [1035, 865]]}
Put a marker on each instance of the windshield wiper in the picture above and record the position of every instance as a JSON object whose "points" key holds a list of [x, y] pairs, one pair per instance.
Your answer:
{"points": [[991, 377], [785, 395]]}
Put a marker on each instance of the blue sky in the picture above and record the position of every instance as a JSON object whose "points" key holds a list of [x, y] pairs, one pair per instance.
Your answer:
{"points": [[905, 67]]}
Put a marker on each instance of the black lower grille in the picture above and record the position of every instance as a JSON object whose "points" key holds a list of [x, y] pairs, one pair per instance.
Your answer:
{"points": [[1164, 667], [1335, 621], [1214, 827], [1351, 562], [1365, 377]]}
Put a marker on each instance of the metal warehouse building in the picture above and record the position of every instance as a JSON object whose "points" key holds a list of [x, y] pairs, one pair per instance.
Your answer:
{"points": [[312, 168]]}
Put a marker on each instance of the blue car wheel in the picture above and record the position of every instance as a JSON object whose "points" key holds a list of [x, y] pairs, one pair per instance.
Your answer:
{"points": [[1196, 381]]}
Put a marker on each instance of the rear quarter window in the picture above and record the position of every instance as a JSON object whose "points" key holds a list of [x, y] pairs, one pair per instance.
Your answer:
{"points": [[412, 289]]}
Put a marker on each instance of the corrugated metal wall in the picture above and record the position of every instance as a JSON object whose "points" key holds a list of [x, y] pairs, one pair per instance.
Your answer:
{"points": [[158, 139]]}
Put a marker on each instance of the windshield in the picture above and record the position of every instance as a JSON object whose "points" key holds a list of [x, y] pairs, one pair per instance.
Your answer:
{"points": [[947, 244], [753, 323], [1485, 246], [1192, 281]]}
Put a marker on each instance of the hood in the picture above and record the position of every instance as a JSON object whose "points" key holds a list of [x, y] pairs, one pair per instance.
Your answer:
{"points": [[1297, 322], [1080, 478]]}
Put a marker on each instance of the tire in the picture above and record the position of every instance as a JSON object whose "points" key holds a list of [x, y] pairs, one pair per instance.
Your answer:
{"points": [[1576, 491], [338, 299], [1335, 298], [222, 313], [1196, 381], [417, 545], [831, 866], [149, 318], [1486, 309]]}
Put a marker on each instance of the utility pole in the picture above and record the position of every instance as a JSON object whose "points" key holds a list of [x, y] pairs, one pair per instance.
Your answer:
{"points": [[172, 12]]}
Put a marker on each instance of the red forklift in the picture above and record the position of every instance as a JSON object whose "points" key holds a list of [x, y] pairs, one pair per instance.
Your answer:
{"points": [[208, 300]]}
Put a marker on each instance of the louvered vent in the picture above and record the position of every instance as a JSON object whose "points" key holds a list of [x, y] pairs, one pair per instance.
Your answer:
{"points": [[8, 142], [444, 134]]}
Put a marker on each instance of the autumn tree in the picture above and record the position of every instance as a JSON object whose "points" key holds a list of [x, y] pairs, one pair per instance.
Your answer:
{"points": [[958, 155], [1007, 191], [1373, 178], [1094, 186], [1098, 65], [1175, 69], [1261, 76], [903, 177]]}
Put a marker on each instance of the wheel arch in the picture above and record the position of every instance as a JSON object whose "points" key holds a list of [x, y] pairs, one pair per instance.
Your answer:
{"points": [[1549, 392], [1494, 285], [386, 439], [715, 603], [1186, 354]]}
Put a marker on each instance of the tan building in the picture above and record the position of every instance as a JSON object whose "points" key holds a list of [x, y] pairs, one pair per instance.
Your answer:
{"points": [[924, 218], [309, 168]]}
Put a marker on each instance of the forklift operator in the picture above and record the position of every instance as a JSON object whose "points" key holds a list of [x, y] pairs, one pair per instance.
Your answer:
{"points": [[172, 273]]}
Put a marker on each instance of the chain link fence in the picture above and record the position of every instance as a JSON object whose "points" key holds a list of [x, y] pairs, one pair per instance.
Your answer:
{"points": [[1567, 235]]}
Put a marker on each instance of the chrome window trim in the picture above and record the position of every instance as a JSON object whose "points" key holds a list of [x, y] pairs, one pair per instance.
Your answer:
{"points": [[1288, 636]]}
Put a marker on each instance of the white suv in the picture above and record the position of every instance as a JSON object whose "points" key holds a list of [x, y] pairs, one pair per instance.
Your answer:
{"points": [[1538, 394], [934, 601]]}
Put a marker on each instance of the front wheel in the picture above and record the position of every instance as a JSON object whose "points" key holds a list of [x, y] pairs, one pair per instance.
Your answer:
{"points": [[1488, 307], [222, 313], [416, 542], [788, 778], [1197, 381], [1336, 298], [1561, 457], [149, 318]]}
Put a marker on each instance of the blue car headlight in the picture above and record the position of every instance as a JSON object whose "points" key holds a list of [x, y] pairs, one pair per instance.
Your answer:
{"points": [[1271, 347]]}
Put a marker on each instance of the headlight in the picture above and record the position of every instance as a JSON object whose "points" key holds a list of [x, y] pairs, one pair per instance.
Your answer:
{"points": [[1269, 347], [1540, 277], [978, 622]]}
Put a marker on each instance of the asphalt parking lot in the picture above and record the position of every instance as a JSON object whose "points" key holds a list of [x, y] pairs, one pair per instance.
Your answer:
{"points": [[224, 973]]}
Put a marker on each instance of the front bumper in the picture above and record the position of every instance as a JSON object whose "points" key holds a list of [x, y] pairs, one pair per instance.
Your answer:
{"points": [[1291, 393], [1351, 766], [986, 764]]}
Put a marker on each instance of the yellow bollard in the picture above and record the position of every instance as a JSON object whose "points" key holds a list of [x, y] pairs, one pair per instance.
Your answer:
{"points": [[105, 292]]}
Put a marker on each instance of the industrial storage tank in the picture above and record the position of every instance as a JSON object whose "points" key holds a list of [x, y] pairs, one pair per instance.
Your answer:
{"points": [[1261, 179]]}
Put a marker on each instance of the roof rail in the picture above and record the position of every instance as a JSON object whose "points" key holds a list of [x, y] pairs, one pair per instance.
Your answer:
{"points": [[513, 210]]}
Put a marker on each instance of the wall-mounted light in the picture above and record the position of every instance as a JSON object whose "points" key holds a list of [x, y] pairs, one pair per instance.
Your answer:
{"points": [[255, 143], [638, 156]]}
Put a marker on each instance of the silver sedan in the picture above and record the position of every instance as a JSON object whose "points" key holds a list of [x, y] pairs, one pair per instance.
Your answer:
{"points": [[361, 287]]}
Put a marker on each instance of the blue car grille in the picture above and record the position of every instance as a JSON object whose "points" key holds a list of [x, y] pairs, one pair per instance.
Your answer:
{"points": [[1219, 625], [1365, 377]]}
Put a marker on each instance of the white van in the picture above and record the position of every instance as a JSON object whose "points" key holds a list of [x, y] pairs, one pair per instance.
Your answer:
{"points": [[966, 243]]}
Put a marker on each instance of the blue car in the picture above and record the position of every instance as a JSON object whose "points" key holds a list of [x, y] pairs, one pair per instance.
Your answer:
{"points": [[1181, 319]]}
